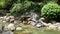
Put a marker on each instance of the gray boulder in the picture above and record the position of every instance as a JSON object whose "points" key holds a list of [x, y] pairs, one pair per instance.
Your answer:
{"points": [[32, 23], [11, 26], [39, 25]]}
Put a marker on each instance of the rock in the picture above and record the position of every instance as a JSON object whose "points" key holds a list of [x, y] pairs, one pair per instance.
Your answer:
{"points": [[32, 23], [29, 22], [42, 18], [25, 22], [59, 27], [11, 26], [0, 31], [39, 25], [19, 28], [52, 26], [11, 20], [1, 26], [15, 22], [57, 24], [4, 18], [7, 32], [4, 21], [41, 21], [1, 18], [6, 28], [29, 19], [48, 24], [12, 17], [34, 16], [7, 19]]}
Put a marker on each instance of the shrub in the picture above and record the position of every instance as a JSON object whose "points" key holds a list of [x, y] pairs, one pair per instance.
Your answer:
{"points": [[16, 7], [2, 3], [50, 11], [36, 6], [8, 14], [20, 8]]}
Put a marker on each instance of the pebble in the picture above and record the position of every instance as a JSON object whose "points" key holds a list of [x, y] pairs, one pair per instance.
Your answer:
{"points": [[19, 28]]}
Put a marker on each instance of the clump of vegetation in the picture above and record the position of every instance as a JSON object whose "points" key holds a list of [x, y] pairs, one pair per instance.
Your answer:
{"points": [[51, 11]]}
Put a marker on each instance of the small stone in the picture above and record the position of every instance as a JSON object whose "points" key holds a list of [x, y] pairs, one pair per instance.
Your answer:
{"points": [[49, 24], [38, 25], [11, 20], [59, 27], [12, 17], [1, 17], [29, 22], [7, 19], [4, 21], [32, 23], [15, 22], [19, 28], [29, 19], [24, 22]]}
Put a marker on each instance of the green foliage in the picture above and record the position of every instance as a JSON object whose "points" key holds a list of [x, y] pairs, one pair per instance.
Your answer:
{"points": [[20, 7], [8, 14], [37, 7], [2, 3], [6, 3], [27, 4], [16, 7], [51, 11]]}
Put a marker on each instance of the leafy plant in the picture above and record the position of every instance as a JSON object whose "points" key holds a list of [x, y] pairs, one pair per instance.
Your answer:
{"points": [[2, 3], [51, 11]]}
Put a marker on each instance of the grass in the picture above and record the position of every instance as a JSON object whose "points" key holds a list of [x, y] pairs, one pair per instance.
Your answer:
{"points": [[28, 29]]}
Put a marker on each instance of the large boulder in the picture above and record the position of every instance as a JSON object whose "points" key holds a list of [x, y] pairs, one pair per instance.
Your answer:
{"points": [[11, 26], [6, 28]]}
